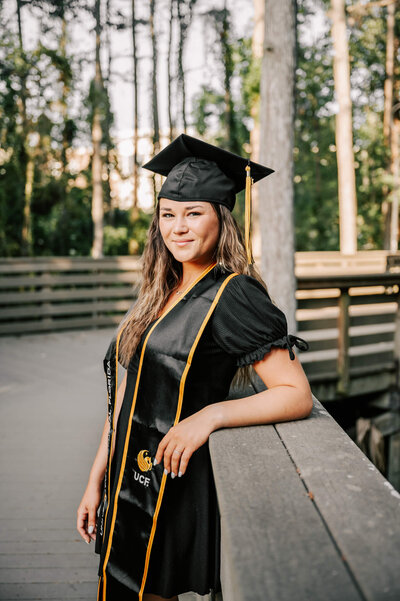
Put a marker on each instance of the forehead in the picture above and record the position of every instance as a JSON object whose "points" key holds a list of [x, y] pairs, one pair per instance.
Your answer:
{"points": [[182, 205]]}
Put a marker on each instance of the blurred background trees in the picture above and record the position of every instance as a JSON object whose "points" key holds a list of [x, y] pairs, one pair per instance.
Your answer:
{"points": [[61, 170]]}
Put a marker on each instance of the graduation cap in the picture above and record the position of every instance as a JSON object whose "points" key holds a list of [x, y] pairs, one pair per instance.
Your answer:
{"points": [[197, 170]]}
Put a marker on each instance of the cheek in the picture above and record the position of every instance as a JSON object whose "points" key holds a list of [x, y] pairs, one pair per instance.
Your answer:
{"points": [[164, 228], [213, 230]]}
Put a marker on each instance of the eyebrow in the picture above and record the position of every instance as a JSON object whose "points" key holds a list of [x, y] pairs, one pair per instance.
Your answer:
{"points": [[191, 207]]}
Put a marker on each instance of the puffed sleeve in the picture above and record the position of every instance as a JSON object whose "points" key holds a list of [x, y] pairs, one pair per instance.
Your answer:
{"points": [[246, 323]]}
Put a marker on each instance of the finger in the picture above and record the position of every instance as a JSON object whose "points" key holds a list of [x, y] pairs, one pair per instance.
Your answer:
{"points": [[167, 457], [81, 524], [92, 522], [186, 455], [161, 447], [175, 459]]}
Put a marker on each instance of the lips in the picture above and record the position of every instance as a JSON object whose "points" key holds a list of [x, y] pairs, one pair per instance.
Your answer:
{"points": [[182, 241]]}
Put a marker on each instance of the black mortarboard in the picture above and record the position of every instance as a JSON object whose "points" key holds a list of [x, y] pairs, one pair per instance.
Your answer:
{"points": [[197, 170]]}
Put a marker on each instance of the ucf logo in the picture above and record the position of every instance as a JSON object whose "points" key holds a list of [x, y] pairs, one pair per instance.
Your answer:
{"points": [[144, 461], [145, 464]]}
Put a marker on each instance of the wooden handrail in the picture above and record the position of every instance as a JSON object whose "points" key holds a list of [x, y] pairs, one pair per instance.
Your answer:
{"points": [[304, 514]]}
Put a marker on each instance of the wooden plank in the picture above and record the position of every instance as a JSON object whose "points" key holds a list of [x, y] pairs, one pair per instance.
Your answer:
{"points": [[49, 590], [368, 361], [323, 303], [11, 283], [356, 372], [375, 318], [370, 299], [317, 304], [331, 280], [53, 575], [359, 506], [42, 264], [61, 324], [47, 560], [274, 544], [37, 311], [38, 296]]}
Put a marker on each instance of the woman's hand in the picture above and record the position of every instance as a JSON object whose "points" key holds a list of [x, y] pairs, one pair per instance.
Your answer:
{"points": [[185, 438], [86, 514]]}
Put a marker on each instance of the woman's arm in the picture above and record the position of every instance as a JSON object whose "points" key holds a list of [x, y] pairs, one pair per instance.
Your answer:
{"points": [[288, 396], [86, 513]]}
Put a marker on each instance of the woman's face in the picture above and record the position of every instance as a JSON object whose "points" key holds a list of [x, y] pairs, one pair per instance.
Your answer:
{"points": [[190, 229]]}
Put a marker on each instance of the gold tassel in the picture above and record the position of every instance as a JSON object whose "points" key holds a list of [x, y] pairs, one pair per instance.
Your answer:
{"points": [[247, 215]]}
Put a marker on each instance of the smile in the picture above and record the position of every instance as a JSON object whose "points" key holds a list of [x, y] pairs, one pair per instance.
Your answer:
{"points": [[182, 242]]}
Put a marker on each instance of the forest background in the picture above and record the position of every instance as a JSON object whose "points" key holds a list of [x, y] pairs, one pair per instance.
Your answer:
{"points": [[60, 153]]}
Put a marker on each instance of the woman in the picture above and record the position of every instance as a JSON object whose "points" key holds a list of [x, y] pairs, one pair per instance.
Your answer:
{"points": [[202, 312]]}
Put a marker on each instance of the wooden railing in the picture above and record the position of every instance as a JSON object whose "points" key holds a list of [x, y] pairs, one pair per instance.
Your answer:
{"points": [[46, 294], [304, 514], [351, 322]]}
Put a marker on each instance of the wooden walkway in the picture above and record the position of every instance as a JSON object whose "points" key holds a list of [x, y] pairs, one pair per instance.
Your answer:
{"points": [[52, 410]]}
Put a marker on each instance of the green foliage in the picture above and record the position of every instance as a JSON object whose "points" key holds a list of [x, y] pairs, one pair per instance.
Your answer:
{"points": [[63, 228], [124, 231], [46, 80], [315, 180]]}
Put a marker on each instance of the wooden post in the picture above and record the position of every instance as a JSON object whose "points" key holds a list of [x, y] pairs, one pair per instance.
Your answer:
{"points": [[343, 342], [394, 460], [394, 439], [397, 338]]}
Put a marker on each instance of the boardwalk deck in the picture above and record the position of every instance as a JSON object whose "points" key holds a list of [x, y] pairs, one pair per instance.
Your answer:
{"points": [[52, 410]]}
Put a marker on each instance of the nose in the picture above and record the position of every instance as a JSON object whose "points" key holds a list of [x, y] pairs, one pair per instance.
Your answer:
{"points": [[180, 224]]}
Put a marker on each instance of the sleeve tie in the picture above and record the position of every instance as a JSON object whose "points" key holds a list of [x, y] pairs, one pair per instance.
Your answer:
{"points": [[291, 340]]}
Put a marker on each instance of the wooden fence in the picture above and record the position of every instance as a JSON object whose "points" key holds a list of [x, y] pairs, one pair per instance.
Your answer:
{"points": [[352, 323], [349, 320], [39, 295]]}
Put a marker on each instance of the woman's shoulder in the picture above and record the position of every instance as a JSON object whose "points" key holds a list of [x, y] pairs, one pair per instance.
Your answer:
{"points": [[246, 291], [248, 281]]}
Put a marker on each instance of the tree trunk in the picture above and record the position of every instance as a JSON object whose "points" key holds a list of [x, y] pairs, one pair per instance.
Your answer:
{"points": [[344, 131], [65, 89], [169, 80], [388, 86], [276, 151], [134, 213], [257, 51], [65, 79], [228, 74], [388, 129], [27, 164], [156, 128], [181, 73], [394, 221], [108, 116], [97, 199]]}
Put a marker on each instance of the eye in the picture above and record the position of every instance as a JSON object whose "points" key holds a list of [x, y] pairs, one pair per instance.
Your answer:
{"points": [[194, 213], [166, 214]]}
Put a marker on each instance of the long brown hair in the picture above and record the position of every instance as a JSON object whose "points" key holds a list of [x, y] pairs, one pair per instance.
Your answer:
{"points": [[161, 274]]}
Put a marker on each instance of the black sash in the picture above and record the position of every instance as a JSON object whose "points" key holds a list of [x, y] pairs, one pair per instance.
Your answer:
{"points": [[127, 518]]}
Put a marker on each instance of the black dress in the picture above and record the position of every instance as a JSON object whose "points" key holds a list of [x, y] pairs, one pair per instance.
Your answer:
{"points": [[245, 325]]}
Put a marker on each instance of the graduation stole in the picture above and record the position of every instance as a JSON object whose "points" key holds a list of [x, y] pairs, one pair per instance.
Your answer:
{"points": [[125, 549]]}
